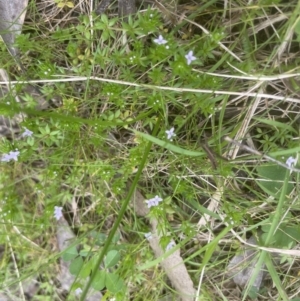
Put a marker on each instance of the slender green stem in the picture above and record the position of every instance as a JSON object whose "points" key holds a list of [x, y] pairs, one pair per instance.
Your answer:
{"points": [[120, 215]]}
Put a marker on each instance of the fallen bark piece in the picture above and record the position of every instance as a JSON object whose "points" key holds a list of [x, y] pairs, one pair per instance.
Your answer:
{"points": [[138, 201], [176, 271], [65, 238], [173, 265], [126, 7], [12, 15], [9, 126]]}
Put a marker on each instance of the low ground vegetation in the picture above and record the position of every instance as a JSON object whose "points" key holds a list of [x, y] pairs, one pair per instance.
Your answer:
{"points": [[191, 106]]}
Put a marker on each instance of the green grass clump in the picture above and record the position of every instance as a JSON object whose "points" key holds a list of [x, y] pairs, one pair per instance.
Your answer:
{"points": [[120, 90]]}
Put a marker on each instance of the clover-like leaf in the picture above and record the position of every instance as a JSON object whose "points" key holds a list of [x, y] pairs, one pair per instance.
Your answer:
{"points": [[111, 258], [76, 265], [70, 254], [99, 280], [113, 282]]}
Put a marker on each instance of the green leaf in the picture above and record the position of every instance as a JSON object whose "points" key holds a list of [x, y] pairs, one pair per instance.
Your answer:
{"points": [[99, 237], [85, 252], [86, 269], [253, 292], [169, 146], [293, 232], [285, 152], [113, 283], [297, 28], [76, 265], [111, 258], [112, 22], [70, 254], [104, 19], [277, 124], [116, 238], [271, 178], [275, 278], [283, 237], [99, 281]]}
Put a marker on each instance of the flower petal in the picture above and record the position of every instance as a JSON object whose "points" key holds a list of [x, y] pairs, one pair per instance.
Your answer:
{"points": [[58, 212]]}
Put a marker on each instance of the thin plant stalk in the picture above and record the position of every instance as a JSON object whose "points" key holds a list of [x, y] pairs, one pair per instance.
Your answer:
{"points": [[120, 215]]}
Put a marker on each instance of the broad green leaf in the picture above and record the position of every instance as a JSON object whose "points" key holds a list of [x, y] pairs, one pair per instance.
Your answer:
{"points": [[86, 269], [104, 19], [85, 252], [116, 238], [283, 237], [111, 258], [76, 265], [70, 254], [113, 283], [99, 237], [99, 281], [293, 232], [169, 146], [271, 178]]}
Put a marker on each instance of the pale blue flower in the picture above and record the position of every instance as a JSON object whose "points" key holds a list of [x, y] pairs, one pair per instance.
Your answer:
{"points": [[10, 156], [150, 203], [78, 291], [58, 212], [170, 245], [170, 134], [14, 155], [154, 201], [148, 235], [291, 161], [5, 158], [27, 133], [160, 40], [189, 57]]}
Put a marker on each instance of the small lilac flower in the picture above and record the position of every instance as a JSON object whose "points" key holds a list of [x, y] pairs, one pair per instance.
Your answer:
{"points": [[14, 155], [58, 212], [148, 235], [5, 158], [27, 133], [150, 203], [160, 40], [156, 200], [170, 245], [10, 156], [170, 134], [291, 161], [190, 57], [78, 291]]}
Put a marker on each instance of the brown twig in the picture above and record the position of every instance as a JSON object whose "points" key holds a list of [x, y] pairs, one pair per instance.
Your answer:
{"points": [[255, 152]]}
